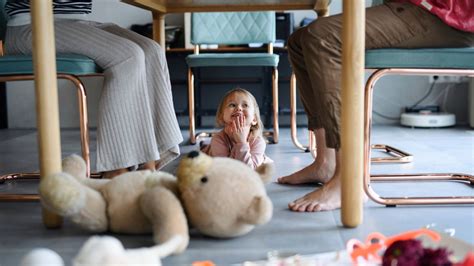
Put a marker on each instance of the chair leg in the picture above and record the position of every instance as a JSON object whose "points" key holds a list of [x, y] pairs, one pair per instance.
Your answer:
{"points": [[294, 129], [276, 127], [192, 125], [15, 197], [83, 120], [84, 134], [293, 123], [195, 136], [393, 201], [398, 156]]}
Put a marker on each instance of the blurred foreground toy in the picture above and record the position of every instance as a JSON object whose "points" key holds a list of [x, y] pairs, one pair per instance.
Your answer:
{"points": [[105, 251]]}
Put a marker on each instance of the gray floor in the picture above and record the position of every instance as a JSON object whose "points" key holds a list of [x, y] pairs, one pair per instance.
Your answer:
{"points": [[435, 150]]}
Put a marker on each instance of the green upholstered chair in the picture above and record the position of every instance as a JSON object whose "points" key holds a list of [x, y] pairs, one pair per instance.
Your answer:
{"points": [[438, 61], [70, 67], [232, 28]]}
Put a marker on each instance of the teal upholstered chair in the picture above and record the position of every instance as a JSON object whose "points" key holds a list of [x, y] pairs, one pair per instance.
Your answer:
{"points": [[70, 67], [434, 61], [439, 61], [232, 28]]}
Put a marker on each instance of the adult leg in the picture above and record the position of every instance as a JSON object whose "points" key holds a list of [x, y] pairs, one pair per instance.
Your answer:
{"points": [[165, 125], [321, 46], [323, 166], [126, 134], [391, 25]]}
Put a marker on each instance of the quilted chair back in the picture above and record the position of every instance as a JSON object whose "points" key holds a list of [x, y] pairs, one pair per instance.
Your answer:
{"points": [[3, 19], [232, 28]]}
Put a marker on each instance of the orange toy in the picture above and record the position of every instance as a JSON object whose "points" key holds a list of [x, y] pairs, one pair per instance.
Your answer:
{"points": [[376, 241]]}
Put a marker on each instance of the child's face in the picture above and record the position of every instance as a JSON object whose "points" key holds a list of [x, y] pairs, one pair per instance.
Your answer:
{"points": [[239, 104]]}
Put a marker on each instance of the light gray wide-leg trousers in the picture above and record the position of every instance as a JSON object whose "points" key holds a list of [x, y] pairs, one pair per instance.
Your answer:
{"points": [[136, 119]]}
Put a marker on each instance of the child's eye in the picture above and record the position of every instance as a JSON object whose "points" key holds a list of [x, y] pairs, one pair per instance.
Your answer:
{"points": [[245, 105], [231, 104]]}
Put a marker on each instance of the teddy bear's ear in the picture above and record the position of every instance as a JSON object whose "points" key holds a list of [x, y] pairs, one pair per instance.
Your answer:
{"points": [[265, 171], [259, 212]]}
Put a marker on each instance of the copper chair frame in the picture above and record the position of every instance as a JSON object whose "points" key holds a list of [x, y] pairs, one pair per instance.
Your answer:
{"points": [[194, 136], [393, 201], [84, 134], [396, 155]]}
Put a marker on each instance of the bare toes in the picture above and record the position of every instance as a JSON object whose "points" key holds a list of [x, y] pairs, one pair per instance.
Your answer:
{"points": [[312, 207]]}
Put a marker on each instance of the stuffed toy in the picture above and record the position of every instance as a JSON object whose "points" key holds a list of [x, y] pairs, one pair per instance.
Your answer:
{"points": [[103, 251], [221, 197]]}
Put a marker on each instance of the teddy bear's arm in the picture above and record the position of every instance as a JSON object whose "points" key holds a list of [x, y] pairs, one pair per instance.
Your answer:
{"points": [[165, 212], [259, 211], [163, 179], [266, 172]]}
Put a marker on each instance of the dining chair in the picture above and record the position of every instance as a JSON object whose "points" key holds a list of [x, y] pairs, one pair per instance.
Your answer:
{"points": [[395, 155], [70, 67], [232, 28], [433, 61]]}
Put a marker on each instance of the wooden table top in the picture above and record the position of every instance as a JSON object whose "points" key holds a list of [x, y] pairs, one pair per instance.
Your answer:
{"points": [[179, 6]]}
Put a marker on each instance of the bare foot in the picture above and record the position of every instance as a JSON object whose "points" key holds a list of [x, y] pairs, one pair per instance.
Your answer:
{"points": [[321, 170], [323, 199], [113, 173], [147, 166], [150, 165]]}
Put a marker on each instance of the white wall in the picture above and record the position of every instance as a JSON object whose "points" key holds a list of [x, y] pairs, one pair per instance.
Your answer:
{"points": [[392, 94]]}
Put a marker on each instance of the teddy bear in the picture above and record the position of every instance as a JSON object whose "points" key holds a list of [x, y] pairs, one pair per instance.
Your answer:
{"points": [[221, 197], [103, 251]]}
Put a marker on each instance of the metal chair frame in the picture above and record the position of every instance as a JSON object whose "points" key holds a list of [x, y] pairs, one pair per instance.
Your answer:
{"points": [[84, 133], [393, 201], [194, 136], [396, 155]]}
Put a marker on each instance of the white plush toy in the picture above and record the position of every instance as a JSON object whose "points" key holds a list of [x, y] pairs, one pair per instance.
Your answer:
{"points": [[104, 251]]}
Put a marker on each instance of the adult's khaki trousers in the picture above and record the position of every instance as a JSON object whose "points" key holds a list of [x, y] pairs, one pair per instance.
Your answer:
{"points": [[315, 53]]}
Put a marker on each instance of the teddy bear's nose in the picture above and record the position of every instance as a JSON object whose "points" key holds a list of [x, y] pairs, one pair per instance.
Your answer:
{"points": [[193, 154]]}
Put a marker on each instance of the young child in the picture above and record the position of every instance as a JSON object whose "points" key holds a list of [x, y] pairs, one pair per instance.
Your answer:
{"points": [[241, 137]]}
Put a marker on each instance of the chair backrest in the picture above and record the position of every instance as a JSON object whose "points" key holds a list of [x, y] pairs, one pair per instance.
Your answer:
{"points": [[377, 2], [232, 28], [3, 19]]}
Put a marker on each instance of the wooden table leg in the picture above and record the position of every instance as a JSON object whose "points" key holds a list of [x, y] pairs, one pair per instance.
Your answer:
{"points": [[159, 28], [352, 110], [44, 60]]}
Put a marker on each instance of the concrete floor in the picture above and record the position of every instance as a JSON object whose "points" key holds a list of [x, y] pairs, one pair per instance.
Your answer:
{"points": [[435, 150]]}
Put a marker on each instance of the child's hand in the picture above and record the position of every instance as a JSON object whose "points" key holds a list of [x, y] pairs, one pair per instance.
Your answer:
{"points": [[238, 131]]}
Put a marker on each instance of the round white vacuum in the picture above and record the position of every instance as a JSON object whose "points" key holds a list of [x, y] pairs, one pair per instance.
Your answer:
{"points": [[428, 119]]}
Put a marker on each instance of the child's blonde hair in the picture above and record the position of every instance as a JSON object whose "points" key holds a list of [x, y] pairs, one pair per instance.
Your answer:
{"points": [[255, 130]]}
